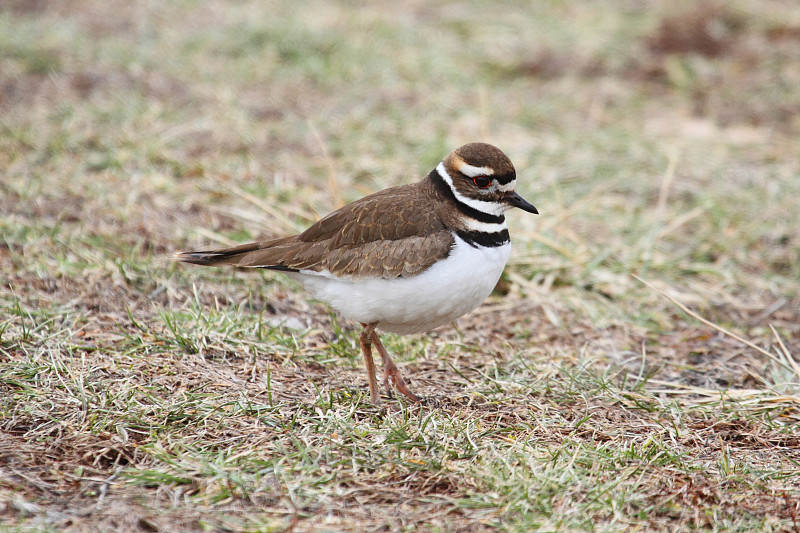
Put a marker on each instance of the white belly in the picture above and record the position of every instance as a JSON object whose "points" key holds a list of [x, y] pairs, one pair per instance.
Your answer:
{"points": [[445, 291]]}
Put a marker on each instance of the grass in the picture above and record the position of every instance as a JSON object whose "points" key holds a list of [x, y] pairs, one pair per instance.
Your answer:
{"points": [[633, 371]]}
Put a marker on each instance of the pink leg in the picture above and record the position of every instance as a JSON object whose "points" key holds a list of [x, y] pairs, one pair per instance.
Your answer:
{"points": [[366, 349], [391, 371]]}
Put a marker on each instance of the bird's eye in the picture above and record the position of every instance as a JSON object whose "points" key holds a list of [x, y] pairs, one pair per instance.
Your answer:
{"points": [[482, 182]]}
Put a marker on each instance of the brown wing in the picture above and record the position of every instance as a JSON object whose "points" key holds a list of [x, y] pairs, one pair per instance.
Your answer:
{"points": [[392, 233]]}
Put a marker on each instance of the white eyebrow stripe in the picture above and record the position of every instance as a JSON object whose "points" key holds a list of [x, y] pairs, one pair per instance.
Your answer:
{"points": [[471, 171], [490, 208], [508, 187]]}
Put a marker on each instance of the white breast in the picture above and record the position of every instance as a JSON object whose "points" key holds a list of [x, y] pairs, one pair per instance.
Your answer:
{"points": [[447, 290]]}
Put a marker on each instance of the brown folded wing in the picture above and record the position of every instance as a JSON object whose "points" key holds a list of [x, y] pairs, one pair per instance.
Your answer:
{"points": [[393, 233]]}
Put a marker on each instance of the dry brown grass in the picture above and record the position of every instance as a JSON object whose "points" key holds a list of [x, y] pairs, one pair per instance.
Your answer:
{"points": [[660, 143]]}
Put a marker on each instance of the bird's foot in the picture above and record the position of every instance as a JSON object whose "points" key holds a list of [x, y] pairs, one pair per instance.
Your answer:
{"points": [[392, 374]]}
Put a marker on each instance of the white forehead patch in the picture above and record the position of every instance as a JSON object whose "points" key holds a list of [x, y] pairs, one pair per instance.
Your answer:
{"points": [[508, 187]]}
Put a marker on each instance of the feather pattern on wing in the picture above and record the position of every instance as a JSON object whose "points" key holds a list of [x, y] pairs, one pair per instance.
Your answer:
{"points": [[393, 233]]}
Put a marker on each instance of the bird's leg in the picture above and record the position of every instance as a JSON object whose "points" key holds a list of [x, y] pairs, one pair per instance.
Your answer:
{"points": [[365, 341], [391, 371]]}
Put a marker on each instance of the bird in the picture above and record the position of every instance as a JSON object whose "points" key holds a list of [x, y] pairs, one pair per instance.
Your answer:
{"points": [[406, 259]]}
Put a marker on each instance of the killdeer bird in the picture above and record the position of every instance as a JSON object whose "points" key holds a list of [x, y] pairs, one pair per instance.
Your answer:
{"points": [[406, 259]]}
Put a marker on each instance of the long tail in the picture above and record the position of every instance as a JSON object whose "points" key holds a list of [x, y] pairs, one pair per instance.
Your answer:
{"points": [[251, 255], [223, 256]]}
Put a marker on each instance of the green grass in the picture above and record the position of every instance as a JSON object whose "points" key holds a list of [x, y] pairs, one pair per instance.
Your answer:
{"points": [[142, 395]]}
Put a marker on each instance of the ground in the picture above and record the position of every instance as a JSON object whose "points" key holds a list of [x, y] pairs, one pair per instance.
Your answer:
{"points": [[634, 370]]}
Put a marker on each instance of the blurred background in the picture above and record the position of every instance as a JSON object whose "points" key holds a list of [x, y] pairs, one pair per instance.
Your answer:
{"points": [[658, 139]]}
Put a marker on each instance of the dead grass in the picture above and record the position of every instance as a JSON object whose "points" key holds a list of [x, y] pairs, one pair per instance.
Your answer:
{"points": [[659, 143]]}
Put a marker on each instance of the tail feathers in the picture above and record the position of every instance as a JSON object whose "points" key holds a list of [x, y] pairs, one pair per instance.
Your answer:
{"points": [[245, 255], [202, 258]]}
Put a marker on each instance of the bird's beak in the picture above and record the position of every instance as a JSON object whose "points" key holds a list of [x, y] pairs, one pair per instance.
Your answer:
{"points": [[515, 200]]}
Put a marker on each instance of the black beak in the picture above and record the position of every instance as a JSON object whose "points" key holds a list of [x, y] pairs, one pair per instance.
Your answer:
{"points": [[516, 200]]}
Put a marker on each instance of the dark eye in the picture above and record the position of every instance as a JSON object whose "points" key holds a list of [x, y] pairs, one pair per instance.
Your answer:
{"points": [[482, 182]]}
